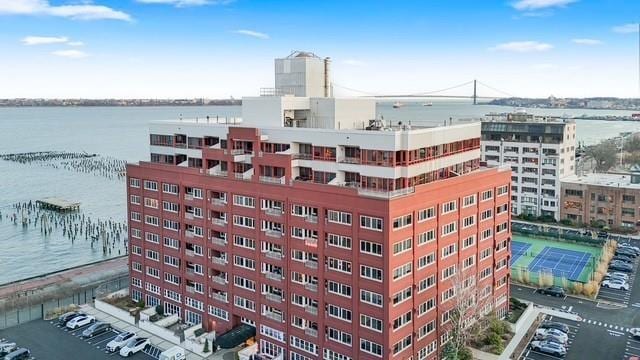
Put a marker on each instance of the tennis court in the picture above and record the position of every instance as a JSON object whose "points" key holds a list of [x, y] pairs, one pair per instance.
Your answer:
{"points": [[564, 260]]}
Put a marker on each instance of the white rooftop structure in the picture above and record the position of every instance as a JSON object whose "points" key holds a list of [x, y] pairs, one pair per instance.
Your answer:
{"points": [[607, 180]]}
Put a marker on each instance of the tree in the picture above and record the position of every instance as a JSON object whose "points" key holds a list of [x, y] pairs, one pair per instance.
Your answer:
{"points": [[206, 346], [604, 154]]}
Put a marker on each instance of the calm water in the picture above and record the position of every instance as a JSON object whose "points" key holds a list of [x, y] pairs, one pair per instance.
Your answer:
{"points": [[123, 133]]}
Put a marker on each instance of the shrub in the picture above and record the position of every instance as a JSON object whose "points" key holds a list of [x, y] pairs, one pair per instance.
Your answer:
{"points": [[493, 339], [567, 222], [206, 346], [465, 354], [589, 289], [577, 288], [140, 303], [198, 332]]}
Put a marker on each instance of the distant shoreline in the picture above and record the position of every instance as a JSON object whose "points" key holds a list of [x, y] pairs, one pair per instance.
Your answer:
{"points": [[5, 103]]}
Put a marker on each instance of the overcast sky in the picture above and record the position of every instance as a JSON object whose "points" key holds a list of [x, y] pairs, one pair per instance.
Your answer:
{"points": [[218, 49]]}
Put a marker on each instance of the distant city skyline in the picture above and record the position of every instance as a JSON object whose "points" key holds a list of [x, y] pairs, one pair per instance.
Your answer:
{"points": [[224, 48]]}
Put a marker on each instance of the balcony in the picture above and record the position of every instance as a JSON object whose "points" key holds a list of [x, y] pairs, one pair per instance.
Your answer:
{"points": [[273, 276], [219, 241], [313, 310], [191, 289], [219, 260], [219, 221], [311, 332], [219, 279], [386, 194], [302, 156], [311, 287], [247, 175], [273, 316], [190, 253], [241, 155], [273, 255], [189, 233], [215, 171], [311, 242], [188, 197], [219, 201], [350, 160], [273, 180], [311, 264], [273, 233], [219, 297], [273, 297], [188, 216], [274, 211], [311, 219]]}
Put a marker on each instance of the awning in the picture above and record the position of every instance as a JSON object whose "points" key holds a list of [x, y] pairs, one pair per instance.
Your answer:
{"points": [[236, 336]]}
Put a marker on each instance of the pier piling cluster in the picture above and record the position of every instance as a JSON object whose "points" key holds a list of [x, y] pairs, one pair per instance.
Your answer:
{"points": [[104, 166], [108, 235]]}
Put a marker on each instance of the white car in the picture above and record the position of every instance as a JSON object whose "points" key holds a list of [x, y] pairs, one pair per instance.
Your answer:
{"points": [[554, 335], [618, 275], [80, 321], [635, 332], [121, 340], [616, 284], [134, 345]]}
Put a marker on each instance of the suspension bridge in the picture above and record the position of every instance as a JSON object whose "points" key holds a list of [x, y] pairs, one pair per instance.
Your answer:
{"points": [[473, 84]]}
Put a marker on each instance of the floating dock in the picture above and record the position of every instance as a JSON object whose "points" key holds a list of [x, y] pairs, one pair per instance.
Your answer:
{"points": [[58, 204]]}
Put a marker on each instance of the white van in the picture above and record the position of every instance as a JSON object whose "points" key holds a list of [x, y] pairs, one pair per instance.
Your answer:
{"points": [[174, 353]]}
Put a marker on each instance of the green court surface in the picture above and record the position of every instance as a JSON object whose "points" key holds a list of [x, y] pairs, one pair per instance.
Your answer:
{"points": [[565, 260]]}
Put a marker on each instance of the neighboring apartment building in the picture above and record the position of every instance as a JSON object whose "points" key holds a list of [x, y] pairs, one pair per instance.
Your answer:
{"points": [[611, 200], [540, 151], [335, 241]]}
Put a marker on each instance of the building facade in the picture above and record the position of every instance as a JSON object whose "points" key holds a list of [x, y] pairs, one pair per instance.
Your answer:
{"points": [[540, 152], [335, 241], [611, 200]]}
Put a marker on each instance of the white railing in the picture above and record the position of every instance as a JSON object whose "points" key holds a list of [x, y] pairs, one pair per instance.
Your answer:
{"points": [[273, 316], [188, 197], [311, 287], [219, 260], [188, 216], [273, 297], [274, 211], [273, 276], [191, 289], [219, 241], [386, 194], [311, 309], [220, 297], [190, 253], [189, 233], [219, 222], [218, 201], [273, 255], [219, 279], [311, 242], [273, 233], [311, 264], [273, 180], [311, 219], [311, 332]]}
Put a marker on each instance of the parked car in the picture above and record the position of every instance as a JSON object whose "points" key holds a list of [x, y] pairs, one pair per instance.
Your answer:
{"points": [[627, 252], [19, 354], [623, 258], [617, 275], [553, 291], [7, 347], [619, 266], [549, 347], [66, 317], [554, 335], [616, 284], [635, 333], [555, 325], [121, 340], [629, 246], [96, 329], [174, 353], [80, 321], [134, 345]]}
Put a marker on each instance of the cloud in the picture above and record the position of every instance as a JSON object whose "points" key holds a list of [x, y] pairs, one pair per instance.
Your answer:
{"points": [[354, 62], [75, 12], [626, 29], [75, 43], [71, 54], [544, 66], [186, 3], [252, 33], [44, 40], [589, 42], [526, 5], [522, 46]]}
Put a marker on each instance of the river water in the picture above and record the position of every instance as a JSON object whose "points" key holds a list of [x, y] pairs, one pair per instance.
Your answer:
{"points": [[122, 133]]}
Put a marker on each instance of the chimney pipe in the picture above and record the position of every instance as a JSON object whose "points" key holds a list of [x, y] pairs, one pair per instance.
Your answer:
{"points": [[327, 77]]}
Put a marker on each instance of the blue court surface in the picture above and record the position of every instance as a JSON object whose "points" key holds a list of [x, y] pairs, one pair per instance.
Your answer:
{"points": [[518, 249], [561, 262]]}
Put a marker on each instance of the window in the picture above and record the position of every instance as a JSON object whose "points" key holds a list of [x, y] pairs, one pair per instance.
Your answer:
{"points": [[171, 278], [150, 185], [426, 214], [151, 203], [425, 330], [502, 190], [339, 288], [244, 262], [339, 217], [468, 221], [134, 183], [486, 214], [170, 207], [426, 260], [402, 320], [151, 220], [171, 243], [402, 344], [447, 294], [401, 296], [371, 273], [502, 208], [136, 266], [502, 227], [468, 200], [340, 241], [402, 271], [244, 283], [170, 188], [370, 347], [402, 221], [339, 312], [371, 298], [244, 201], [136, 250], [371, 248], [449, 250], [134, 199], [371, 223], [485, 253], [136, 282], [338, 336], [448, 207], [427, 237], [244, 242], [219, 313], [153, 272], [402, 246], [426, 283], [171, 225], [135, 216], [486, 195], [486, 234], [426, 306], [136, 233], [449, 228], [244, 221], [172, 261], [370, 322], [339, 265], [152, 238], [332, 355], [448, 272], [303, 345]]}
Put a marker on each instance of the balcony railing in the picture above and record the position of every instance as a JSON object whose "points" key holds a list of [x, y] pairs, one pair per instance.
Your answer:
{"points": [[219, 202], [219, 241], [311, 219], [190, 253], [311, 309], [386, 194], [311, 332], [218, 221], [274, 211], [189, 233], [350, 160], [191, 289], [273, 297], [311, 242], [273, 233], [311, 264], [188, 197], [219, 260], [273, 180], [302, 156], [273, 276], [188, 216], [273, 255], [220, 297], [221, 173], [273, 316], [311, 287], [219, 279]]}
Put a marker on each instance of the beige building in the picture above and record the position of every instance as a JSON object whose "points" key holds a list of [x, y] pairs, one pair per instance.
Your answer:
{"points": [[610, 200]]}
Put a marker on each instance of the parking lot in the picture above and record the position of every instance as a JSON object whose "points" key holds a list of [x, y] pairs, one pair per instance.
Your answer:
{"points": [[48, 340], [620, 296], [574, 328]]}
